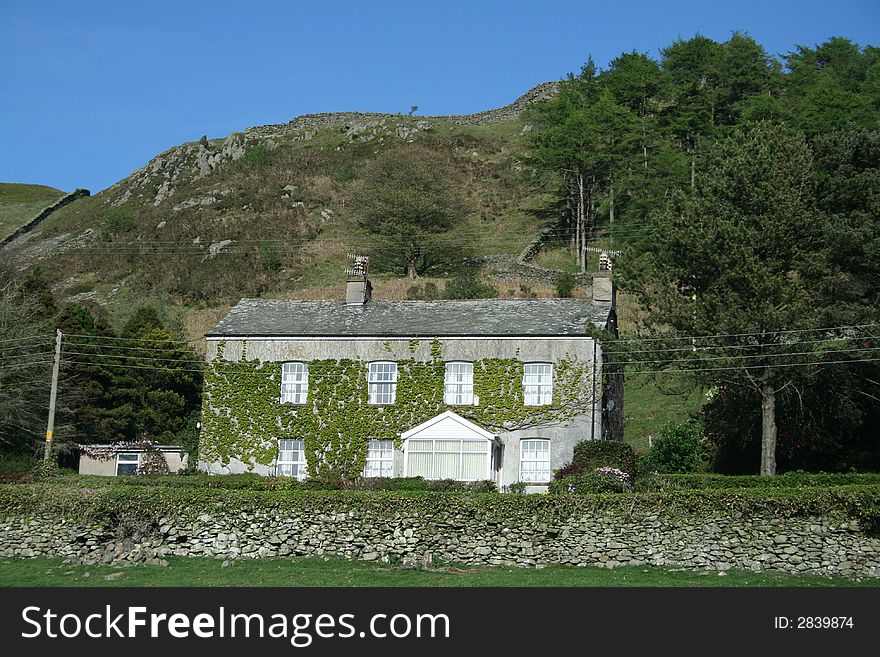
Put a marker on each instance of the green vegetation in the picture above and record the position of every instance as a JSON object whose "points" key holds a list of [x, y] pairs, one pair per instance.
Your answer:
{"points": [[741, 189], [258, 156], [560, 258], [858, 501], [652, 401], [680, 448], [109, 390], [118, 221], [20, 203], [565, 284], [204, 572], [411, 199], [788, 480], [468, 286]]}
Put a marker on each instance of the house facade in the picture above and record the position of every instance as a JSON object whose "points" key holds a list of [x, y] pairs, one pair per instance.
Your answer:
{"points": [[472, 390]]}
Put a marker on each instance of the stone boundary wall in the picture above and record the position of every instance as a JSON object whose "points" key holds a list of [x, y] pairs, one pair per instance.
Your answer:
{"points": [[458, 531], [43, 214], [514, 109], [506, 267]]}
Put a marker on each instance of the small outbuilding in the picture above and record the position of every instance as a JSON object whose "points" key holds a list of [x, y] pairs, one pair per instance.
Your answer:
{"points": [[118, 460]]}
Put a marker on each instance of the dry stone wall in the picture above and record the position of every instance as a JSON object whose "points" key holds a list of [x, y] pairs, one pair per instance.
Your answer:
{"points": [[315, 121], [44, 214], [460, 531]]}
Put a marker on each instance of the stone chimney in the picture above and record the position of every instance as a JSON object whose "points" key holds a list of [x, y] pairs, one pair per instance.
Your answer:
{"points": [[604, 293], [358, 289]]}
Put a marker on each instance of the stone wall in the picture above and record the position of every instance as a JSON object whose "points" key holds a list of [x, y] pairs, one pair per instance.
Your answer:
{"points": [[315, 121], [506, 267], [44, 214], [511, 530]]}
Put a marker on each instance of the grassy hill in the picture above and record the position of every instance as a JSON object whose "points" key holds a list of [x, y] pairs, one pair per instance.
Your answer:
{"points": [[20, 203], [203, 225]]}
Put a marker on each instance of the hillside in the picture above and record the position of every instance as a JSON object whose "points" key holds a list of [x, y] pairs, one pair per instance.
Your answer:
{"points": [[20, 202], [267, 212]]}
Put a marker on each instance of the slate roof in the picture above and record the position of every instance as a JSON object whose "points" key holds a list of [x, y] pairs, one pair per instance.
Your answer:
{"points": [[483, 317]]}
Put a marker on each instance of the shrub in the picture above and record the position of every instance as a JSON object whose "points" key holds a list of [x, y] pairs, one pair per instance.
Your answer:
{"points": [[426, 292], [789, 480], [565, 284], [269, 256], [258, 155], [679, 448], [467, 286], [592, 454], [589, 483], [117, 221]]}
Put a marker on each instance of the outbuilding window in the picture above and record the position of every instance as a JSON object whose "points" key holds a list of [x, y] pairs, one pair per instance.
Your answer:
{"points": [[127, 463]]}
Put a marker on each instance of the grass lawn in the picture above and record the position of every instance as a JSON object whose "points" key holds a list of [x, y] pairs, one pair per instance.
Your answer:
{"points": [[202, 571]]}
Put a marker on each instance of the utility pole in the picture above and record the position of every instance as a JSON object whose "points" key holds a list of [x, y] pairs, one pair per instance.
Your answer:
{"points": [[50, 427]]}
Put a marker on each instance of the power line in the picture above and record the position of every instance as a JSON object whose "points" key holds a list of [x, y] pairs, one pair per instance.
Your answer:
{"points": [[751, 367], [30, 337], [27, 355], [154, 340], [31, 364], [132, 367], [166, 360], [30, 344], [273, 365], [737, 346], [741, 357], [741, 335]]}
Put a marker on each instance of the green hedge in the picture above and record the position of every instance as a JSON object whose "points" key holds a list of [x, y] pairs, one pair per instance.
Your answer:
{"points": [[671, 482], [250, 481], [587, 483], [154, 502], [591, 454]]}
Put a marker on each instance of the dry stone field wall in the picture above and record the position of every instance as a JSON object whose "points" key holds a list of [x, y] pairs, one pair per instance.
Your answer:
{"points": [[314, 121], [44, 214], [457, 531]]}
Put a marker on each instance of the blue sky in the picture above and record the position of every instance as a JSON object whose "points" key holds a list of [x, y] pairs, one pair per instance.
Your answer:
{"points": [[92, 90]]}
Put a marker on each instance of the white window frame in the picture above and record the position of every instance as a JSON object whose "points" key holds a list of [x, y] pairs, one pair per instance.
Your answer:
{"points": [[380, 459], [299, 465], [537, 384], [458, 386], [381, 382], [294, 382], [542, 475], [136, 462], [461, 452]]}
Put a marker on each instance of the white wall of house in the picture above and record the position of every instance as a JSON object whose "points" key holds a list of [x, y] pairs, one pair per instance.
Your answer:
{"points": [[562, 436]]}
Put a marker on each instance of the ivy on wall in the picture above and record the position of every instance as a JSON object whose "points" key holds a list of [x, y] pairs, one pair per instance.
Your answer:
{"points": [[243, 418]]}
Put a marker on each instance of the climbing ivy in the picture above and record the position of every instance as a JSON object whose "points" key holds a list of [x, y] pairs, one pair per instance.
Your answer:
{"points": [[242, 416]]}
